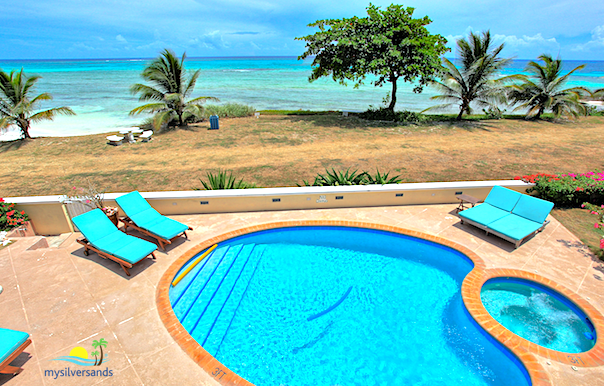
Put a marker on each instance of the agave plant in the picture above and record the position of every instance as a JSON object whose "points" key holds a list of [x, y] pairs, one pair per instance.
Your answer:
{"points": [[339, 178], [382, 179], [224, 180]]}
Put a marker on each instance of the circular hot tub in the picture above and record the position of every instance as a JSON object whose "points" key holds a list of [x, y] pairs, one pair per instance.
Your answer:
{"points": [[538, 314]]}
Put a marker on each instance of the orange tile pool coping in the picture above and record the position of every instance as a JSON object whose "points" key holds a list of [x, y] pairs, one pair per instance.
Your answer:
{"points": [[524, 350]]}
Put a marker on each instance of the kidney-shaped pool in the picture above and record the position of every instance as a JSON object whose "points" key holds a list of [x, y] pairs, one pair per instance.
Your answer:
{"points": [[333, 305]]}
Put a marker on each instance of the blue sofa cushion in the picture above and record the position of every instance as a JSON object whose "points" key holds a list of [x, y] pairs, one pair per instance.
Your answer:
{"points": [[483, 214], [515, 227], [533, 208], [503, 198]]}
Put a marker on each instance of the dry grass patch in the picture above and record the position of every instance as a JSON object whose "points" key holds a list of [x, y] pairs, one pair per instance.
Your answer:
{"points": [[284, 150]]}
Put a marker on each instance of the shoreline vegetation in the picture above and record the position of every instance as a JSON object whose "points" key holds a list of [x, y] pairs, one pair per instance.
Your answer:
{"points": [[288, 147]]}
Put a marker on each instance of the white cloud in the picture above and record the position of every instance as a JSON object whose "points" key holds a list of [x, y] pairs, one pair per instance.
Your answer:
{"points": [[525, 41], [596, 42], [121, 39]]}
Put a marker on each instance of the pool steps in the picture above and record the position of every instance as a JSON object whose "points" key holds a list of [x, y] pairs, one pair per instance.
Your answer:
{"points": [[208, 298]]}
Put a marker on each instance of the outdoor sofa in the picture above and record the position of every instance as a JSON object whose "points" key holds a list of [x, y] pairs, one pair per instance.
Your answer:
{"points": [[511, 215]]}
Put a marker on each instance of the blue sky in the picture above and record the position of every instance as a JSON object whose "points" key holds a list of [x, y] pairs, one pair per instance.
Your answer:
{"points": [[66, 29]]}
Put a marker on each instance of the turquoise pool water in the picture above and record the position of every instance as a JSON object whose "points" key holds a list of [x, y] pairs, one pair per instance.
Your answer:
{"points": [[538, 314], [340, 306]]}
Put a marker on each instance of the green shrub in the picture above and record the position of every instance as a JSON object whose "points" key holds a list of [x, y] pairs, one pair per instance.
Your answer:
{"points": [[9, 217], [228, 110], [342, 178], [223, 180], [568, 190], [384, 114], [382, 179], [338, 178]]}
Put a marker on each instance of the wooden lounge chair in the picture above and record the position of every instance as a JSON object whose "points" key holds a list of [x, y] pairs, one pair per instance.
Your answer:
{"points": [[103, 237], [510, 215], [12, 344], [141, 216], [115, 140]]}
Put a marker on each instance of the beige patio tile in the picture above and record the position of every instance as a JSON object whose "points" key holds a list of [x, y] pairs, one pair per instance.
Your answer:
{"points": [[157, 369]]}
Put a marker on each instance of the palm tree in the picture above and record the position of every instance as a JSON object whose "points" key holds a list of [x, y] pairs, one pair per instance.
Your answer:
{"points": [[99, 343], [96, 354], [168, 93], [544, 92], [474, 82], [17, 108]]}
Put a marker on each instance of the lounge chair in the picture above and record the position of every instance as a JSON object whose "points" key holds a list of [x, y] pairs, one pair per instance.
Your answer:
{"points": [[146, 135], [141, 216], [12, 344], [103, 237], [510, 215], [115, 140]]}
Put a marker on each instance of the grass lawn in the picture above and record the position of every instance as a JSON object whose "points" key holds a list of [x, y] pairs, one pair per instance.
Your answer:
{"points": [[283, 150]]}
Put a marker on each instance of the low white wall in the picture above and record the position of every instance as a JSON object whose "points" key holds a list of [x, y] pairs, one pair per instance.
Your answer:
{"points": [[49, 216]]}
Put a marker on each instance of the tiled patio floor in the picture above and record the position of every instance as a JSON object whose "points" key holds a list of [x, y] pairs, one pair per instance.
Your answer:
{"points": [[65, 299]]}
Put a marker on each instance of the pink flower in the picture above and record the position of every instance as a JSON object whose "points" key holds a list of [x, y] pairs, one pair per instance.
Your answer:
{"points": [[596, 225], [88, 201], [582, 205], [601, 243]]}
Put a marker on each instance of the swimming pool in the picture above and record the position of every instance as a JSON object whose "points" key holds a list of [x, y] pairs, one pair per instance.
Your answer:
{"points": [[336, 305], [538, 314]]}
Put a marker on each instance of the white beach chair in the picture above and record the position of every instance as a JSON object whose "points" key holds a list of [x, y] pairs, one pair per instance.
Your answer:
{"points": [[146, 135], [115, 140]]}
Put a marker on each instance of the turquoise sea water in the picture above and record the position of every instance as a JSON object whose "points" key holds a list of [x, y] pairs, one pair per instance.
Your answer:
{"points": [[339, 306], [98, 90]]}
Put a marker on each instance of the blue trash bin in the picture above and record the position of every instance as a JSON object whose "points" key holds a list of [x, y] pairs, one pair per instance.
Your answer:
{"points": [[214, 122]]}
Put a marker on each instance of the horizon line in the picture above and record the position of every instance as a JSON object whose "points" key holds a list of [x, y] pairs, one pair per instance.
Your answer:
{"points": [[228, 57]]}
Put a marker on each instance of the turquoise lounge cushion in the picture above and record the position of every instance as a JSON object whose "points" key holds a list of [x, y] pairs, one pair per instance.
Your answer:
{"points": [[104, 235], [10, 341], [132, 203], [126, 247], [483, 214], [515, 227], [533, 208], [94, 225], [503, 198], [144, 216]]}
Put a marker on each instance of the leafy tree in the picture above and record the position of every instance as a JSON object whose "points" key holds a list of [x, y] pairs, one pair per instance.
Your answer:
{"points": [[389, 44], [18, 108], [544, 91], [99, 343], [169, 91], [474, 81]]}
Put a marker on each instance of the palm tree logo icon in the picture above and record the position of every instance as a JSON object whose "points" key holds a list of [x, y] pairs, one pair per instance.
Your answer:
{"points": [[98, 344]]}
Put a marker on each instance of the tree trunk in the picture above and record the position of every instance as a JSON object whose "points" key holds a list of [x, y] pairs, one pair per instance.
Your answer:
{"points": [[101, 359], [393, 79], [24, 126]]}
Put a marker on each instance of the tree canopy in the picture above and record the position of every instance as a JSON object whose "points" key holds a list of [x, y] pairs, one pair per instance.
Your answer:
{"points": [[389, 44], [543, 90], [170, 88], [18, 108]]}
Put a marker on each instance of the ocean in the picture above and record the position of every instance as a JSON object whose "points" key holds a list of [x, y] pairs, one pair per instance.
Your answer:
{"points": [[98, 90]]}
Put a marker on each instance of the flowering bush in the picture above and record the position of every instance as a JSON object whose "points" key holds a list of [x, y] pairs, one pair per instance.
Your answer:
{"points": [[10, 217], [599, 224], [568, 190]]}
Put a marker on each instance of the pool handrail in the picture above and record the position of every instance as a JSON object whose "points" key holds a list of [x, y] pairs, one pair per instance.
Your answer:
{"points": [[193, 264]]}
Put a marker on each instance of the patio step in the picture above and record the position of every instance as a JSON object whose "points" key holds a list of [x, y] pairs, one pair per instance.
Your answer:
{"points": [[207, 302]]}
